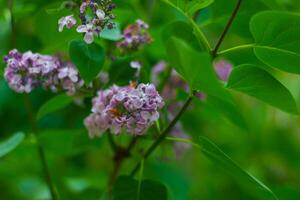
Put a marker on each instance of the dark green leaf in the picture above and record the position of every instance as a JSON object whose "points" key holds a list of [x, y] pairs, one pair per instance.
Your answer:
{"points": [[126, 188], [218, 157], [120, 72], [11, 143], [277, 39], [260, 84], [89, 59], [54, 104]]}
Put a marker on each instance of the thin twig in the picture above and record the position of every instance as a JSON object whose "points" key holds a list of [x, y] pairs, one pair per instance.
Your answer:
{"points": [[41, 152], [228, 25], [163, 135]]}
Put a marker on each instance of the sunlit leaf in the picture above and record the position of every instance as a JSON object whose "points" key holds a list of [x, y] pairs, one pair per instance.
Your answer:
{"points": [[11, 143]]}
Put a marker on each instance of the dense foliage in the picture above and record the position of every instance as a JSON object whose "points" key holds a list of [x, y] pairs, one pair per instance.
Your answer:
{"points": [[149, 99]]}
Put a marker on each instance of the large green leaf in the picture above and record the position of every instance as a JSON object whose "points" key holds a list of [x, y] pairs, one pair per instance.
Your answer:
{"points": [[223, 161], [126, 188], [260, 84], [54, 104], [89, 59], [196, 68], [218, 157], [277, 39], [11, 143]]}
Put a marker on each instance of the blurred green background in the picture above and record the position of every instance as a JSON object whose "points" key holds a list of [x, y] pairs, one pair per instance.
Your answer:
{"points": [[270, 149]]}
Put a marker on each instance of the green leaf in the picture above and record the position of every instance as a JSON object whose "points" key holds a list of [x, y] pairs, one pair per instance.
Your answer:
{"points": [[54, 104], [89, 59], [11, 143], [220, 159], [196, 68], [112, 34], [277, 39], [260, 84], [179, 6], [186, 33], [120, 72], [189, 7], [126, 188]]}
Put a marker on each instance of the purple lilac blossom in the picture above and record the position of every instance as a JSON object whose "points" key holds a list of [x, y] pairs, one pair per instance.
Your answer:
{"points": [[223, 69], [68, 21], [95, 15], [130, 109], [134, 37], [27, 71], [136, 65]]}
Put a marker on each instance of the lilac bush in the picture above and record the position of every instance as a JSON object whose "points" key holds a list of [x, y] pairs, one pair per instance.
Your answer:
{"points": [[144, 78]]}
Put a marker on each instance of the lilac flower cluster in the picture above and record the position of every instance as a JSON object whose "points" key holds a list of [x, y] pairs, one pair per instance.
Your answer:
{"points": [[95, 15], [134, 36], [27, 71], [131, 109]]}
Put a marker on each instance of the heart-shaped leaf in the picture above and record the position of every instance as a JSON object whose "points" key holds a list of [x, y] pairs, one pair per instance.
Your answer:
{"points": [[260, 84], [277, 39]]}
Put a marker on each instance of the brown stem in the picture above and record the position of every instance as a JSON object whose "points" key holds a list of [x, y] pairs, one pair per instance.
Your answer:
{"points": [[120, 155], [228, 25]]}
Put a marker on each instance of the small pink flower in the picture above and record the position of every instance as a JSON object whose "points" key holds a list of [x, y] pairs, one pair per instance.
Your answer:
{"points": [[89, 30], [100, 14], [68, 72], [83, 7], [68, 21], [223, 69]]}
